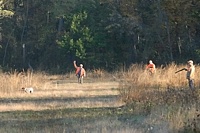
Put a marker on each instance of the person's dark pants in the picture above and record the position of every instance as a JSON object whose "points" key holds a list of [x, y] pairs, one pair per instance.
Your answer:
{"points": [[191, 83], [80, 79]]}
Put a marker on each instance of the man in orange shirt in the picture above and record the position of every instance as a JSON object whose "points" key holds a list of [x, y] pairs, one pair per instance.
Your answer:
{"points": [[151, 67], [80, 72]]}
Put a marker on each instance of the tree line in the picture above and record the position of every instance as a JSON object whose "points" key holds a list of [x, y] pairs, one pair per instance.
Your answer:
{"points": [[109, 34]]}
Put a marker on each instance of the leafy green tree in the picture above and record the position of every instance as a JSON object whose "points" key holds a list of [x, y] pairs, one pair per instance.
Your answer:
{"points": [[101, 33], [77, 37], [6, 32], [5, 8]]}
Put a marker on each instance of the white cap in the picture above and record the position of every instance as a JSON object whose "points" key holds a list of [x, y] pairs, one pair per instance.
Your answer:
{"points": [[190, 62]]}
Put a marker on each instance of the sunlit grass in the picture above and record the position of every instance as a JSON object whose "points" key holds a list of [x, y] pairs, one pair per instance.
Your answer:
{"points": [[139, 81], [163, 100], [55, 91], [12, 82], [165, 96]]}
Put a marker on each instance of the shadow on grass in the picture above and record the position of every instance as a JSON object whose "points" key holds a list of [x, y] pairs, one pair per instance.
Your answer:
{"points": [[59, 99], [93, 120]]}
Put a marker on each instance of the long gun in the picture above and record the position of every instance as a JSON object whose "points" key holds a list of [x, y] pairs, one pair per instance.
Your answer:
{"points": [[181, 70]]}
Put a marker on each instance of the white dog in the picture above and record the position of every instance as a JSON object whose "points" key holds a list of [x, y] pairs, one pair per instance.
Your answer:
{"points": [[28, 90]]}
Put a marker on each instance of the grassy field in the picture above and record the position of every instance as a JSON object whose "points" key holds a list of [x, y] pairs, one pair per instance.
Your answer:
{"points": [[130, 101]]}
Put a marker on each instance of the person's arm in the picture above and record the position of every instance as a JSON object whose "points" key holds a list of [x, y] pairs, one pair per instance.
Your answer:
{"points": [[75, 65], [84, 73], [192, 73]]}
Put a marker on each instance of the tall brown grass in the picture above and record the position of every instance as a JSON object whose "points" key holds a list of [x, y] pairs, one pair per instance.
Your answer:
{"points": [[163, 95], [136, 80], [12, 82]]}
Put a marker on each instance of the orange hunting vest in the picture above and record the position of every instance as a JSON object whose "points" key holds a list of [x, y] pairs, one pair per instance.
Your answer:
{"points": [[80, 71], [151, 67]]}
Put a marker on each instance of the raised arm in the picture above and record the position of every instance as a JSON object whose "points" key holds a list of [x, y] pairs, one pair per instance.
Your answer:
{"points": [[75, 64]]}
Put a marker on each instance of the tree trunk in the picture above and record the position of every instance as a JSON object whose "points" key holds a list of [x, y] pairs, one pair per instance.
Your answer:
{"points": [[169, 41]]}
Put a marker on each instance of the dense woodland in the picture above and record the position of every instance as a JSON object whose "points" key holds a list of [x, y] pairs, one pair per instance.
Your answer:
{"points": [[108, 34]]}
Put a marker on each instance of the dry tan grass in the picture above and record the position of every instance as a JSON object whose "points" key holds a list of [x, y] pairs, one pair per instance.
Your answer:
{"points": [[163, 78], [14, 81], [56, 91], [173, 119], [139, 81], [64, 95], [136, 85], [165, 96]]}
